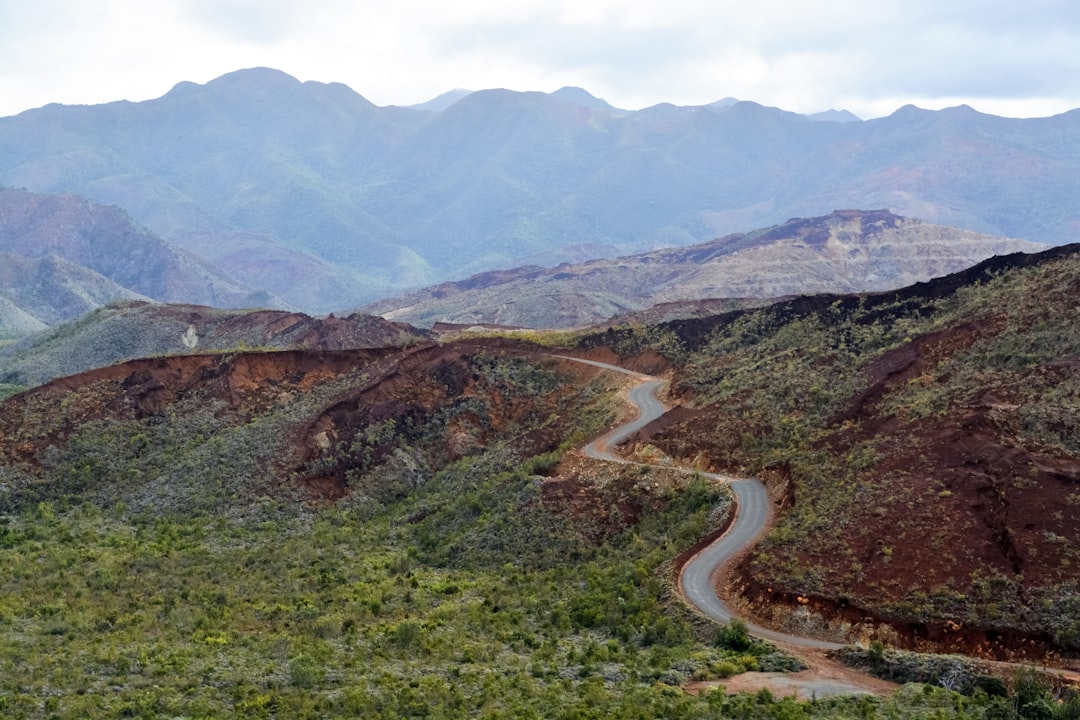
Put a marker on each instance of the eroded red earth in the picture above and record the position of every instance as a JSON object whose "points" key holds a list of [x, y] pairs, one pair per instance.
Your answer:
{"points": [[953, 496]]}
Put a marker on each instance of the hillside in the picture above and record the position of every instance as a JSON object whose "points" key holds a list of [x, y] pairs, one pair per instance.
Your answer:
{"points": [[16, 322], [360, 532], [310, 193], [130, 330], [920, 445], [63, 256], [406, 531], [846, 251], [39, 292]]}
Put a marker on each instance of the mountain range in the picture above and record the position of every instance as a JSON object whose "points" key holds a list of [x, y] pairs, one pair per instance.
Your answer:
{"points": [[215, 513], [309, 193], [845, 251]]}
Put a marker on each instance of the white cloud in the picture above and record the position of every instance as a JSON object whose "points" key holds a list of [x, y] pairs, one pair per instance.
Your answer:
{"points": [[867, 57], [258, 22]]}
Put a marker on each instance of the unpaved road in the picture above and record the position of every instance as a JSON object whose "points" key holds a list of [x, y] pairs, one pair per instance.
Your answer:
{"points": [[698, 578], [753, 513]]}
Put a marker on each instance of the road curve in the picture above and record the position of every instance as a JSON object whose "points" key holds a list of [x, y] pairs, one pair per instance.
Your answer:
{"points": [[753, 510], [642, 396]]}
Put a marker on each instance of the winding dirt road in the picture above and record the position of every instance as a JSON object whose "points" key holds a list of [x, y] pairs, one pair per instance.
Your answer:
{"points": [[753, 513], [699, 577]]}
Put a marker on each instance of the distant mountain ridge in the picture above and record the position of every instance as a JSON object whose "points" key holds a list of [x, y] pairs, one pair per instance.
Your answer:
{"points": [[845, 251], [61, 256], [51, 289], [368, 201]]}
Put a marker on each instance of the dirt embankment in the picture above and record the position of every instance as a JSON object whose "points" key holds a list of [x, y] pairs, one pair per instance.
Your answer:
{"points": [[955, 507]]}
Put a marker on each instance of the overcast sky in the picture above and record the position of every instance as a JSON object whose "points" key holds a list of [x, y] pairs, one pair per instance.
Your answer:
{"points": [[867, 56]]}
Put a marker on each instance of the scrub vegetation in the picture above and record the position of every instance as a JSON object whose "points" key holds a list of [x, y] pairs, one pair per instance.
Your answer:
{"points": [[923, 445], [393, 533], [185, 560]]}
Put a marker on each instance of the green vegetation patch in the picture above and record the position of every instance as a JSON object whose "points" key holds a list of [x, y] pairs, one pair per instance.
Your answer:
{"points": [[300, 611]]}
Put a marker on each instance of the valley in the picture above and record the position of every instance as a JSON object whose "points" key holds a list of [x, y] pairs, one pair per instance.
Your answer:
{"points": [[646, 462], [409, 529]]}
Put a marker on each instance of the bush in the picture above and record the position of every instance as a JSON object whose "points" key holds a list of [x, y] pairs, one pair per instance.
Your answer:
{"points": [[734, 636]]}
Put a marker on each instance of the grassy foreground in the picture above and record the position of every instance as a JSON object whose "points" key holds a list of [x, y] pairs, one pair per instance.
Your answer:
{"points": [[336, 612], [142, 574]]}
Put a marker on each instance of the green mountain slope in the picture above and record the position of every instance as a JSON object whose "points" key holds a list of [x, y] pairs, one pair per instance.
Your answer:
{"points": [[130, 330]]}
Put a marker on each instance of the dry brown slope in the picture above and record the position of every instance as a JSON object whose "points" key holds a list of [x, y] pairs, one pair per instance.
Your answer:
{"points": [[921, 447], [179, 432], [847, 251]]}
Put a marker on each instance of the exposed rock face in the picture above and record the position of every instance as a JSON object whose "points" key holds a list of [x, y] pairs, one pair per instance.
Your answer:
{"points": [[847, 251]]}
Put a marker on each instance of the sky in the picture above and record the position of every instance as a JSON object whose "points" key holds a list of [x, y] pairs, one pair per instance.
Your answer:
{"points": [[867, 56]]}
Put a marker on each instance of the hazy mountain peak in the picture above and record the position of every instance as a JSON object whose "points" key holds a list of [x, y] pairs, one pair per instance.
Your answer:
{"points": [[961, 113], [338, 93], [580, 96], [261, 78], [666, 113], [962, 108], [183, 89], [500, 100], [238, 88], [443, 101], [264, 82], [910, 111], [834, 116], [750, 111], [724, 102]]}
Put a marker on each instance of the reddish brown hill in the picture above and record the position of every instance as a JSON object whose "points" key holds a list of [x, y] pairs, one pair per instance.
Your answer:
{"points": [[176, 430], [922, 447]]}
